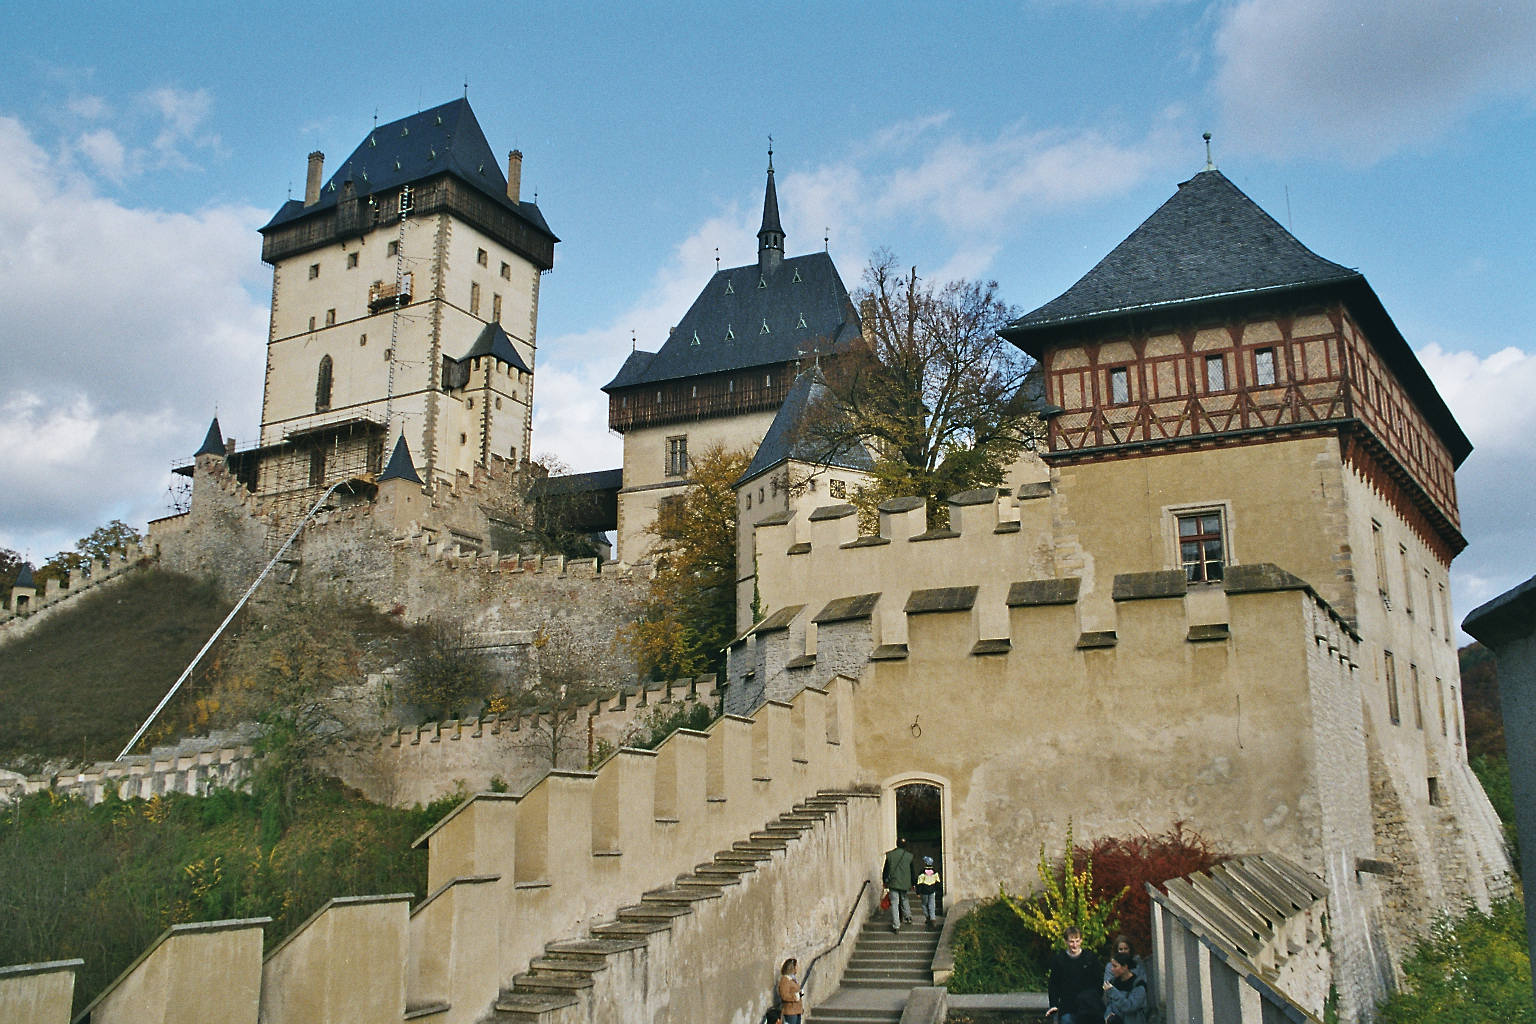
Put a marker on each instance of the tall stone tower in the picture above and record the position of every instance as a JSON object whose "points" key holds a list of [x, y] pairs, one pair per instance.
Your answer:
{"points": [[405, 296]]}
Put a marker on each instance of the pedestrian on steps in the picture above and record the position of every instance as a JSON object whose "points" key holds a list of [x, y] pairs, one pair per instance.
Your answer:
{"points": [[928, 885], [897, 876], [791, 996]]}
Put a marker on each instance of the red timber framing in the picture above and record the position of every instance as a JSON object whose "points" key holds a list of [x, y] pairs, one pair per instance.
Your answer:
{"points": [[1327, 378]]}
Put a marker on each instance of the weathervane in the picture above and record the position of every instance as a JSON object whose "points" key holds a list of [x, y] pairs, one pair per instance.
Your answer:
{"points": [[1208, 164]]}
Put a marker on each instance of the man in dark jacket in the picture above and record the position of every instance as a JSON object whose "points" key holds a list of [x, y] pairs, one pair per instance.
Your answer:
{"points": [[897, 876], [1076, 982]]}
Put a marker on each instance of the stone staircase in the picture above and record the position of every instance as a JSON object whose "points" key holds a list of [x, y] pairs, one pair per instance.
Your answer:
{"points": [[570, 970], [884, 968]]}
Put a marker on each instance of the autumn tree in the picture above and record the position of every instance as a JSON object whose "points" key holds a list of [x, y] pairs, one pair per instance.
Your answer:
{"points": [[940, 398], [690, 613], [102, 542], [442, 673], [568, 672]]}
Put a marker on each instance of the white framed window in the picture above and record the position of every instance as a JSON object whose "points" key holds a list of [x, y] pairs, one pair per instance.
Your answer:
{"points": [[1215, 373], [677, 456], [1264, 367], [1119, 385], [1202, 539]]}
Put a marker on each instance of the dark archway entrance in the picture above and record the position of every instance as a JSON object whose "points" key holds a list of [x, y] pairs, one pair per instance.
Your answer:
{"points": [[920, 818]]}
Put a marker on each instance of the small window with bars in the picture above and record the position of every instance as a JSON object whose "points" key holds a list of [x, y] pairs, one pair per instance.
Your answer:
{"points": [[1202, 548], [1119, 386], [837, 488], [1215, 373], [1264, 367]]}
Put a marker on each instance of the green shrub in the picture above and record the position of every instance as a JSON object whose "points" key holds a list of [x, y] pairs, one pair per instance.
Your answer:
{"points": [[665, 719], [994, 952], [1492, 770], [1470, 970], [1068, 902]]}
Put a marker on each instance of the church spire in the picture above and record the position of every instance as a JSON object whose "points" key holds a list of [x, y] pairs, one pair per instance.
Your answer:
{"points": [[770, 237]]}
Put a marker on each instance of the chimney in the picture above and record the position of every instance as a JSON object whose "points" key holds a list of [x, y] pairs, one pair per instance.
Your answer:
{"points": [[514, 175], [312, 183]]}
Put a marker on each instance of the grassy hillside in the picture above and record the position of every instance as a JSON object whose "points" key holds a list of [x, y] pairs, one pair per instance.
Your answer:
{"points": [[79, 684]]}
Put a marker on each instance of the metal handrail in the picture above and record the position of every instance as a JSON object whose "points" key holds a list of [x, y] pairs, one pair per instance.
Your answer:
{"points": [[841, 935]]}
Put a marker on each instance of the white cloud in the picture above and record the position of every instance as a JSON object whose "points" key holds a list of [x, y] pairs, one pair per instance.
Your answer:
{"points": [[182, 115], [105, 151], [1364, 79], [1490, 397], [123, 327]]}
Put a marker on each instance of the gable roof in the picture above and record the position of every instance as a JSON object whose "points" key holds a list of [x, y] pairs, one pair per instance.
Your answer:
{"points": [[442, 139], [793, 433], [801, 301], [494, 342], [1208, 241]]}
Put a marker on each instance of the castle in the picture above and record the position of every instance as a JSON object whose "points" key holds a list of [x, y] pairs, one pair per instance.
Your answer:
{"points": [[1216, 594]]}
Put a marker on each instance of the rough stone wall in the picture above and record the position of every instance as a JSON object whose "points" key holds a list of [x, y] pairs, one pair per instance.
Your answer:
{"points": [[15, 624], [194, 766]]}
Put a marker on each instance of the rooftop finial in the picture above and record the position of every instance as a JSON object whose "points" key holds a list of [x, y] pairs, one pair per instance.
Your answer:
{"points": [[466, 87], [770, 237], [717, 259], [1209, 164], [826, 239], [632, 342], [770, 154]]}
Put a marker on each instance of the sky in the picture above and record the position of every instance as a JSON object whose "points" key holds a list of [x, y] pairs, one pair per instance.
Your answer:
{"points": [[142, 145]]}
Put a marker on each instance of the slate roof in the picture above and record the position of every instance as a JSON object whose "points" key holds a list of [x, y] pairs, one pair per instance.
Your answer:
{"points": [[793, 433], [1208, 241], [724, 328], [24, 576], [445, 138], [213, 441], [579, 483], [494, 342], [400, 465]]}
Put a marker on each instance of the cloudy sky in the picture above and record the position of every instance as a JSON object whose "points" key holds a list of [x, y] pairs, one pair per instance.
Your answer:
{"points": [[142, 145]]}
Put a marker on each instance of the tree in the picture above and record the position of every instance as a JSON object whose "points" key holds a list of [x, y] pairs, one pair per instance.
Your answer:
{"points": [[101, 542], [443, 674], [941, 399], [690, 613], [10, 567], [546, 512], [569, 673], [283, 670]]}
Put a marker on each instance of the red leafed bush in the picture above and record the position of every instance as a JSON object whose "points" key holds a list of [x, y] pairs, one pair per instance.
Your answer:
{"points": [[1135, 861]]}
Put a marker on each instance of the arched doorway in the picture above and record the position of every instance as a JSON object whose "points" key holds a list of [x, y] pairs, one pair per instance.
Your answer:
{"points": [[920, 818]]}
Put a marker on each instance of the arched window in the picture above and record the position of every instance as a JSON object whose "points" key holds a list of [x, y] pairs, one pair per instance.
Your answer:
{"points": [[323, 385]]}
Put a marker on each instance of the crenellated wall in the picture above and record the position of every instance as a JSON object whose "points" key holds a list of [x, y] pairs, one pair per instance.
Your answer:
{"points": [[25, 608], [193, 766], [509, 875], [1015, 669]]}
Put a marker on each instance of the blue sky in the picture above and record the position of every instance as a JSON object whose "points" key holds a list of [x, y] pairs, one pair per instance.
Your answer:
{"points": [[142, 145]]}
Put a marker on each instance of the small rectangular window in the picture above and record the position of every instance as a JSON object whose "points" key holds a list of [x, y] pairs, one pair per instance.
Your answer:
{"points": [[677, 456], [330, 317], [1440, 698], [1436, 798], [1119, 386], [1264, 367], [1418, 698], [317, 467], [506, 271], [1215, 373], [393, 249], [311, 323], [1445, 614], [351, 260], [838, 488], [1402, 553], [482, 257], [474, 298], [1379, 549], [1429, 602], [314, 271], [1200, 547], [496, 307], [1391, 670]]}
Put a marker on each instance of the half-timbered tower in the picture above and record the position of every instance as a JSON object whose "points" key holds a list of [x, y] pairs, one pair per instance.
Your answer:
{"points": [[405, 296], [724, 370]]}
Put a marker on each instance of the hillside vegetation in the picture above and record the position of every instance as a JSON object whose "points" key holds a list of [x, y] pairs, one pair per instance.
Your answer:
{"points": [[77, 685]]}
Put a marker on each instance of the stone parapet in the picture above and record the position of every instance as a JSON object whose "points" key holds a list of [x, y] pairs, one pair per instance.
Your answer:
{"points": [[17, 622]]}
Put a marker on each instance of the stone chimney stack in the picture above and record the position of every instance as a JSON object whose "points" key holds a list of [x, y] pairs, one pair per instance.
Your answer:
{"points": [[514, 175], [312, 183]]}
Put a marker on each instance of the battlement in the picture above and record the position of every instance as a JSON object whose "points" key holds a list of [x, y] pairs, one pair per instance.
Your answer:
{"points": [[194, 766], [27, 607]]}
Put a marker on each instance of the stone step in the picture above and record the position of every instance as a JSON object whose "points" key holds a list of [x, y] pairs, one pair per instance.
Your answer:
{"points": [[886, 979], [569, 963], [535, 983], [653, 912], [532, 1002], [630, 929], [593, 947], [849, 1015], [762, 842]]}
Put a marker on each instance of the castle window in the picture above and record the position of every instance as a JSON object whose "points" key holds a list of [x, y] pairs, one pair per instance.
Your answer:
{"points": [[1440, 696], [351, 261], [474, 298], [330, 318], [1379, 549], [496, 307], [314, 271], [1119, 386], [498, 401], [393, 249], [362, 340], [1201, 549], [1215, 373], [317, 468], [323, 385], [1429, 602], [311, 323], [749, 502], [837, 488], [1264, 367], [1391, 673], [506, 271], [482, 257], [463, 439], [1418, 701], [1436, 798], [1402, 554], [471, 403], [1445, 614], [677, 456]]}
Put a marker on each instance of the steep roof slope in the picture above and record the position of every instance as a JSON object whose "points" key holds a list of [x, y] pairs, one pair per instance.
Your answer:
{"points": [[794, 435]]}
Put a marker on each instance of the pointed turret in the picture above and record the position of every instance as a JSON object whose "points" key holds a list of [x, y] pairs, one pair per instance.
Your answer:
{"points": [[24, 577], [770, 237], [213, 443], [400, 465]]}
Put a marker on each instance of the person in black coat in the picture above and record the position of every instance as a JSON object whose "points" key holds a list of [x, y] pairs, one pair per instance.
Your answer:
{"points": [[1076, 983]]}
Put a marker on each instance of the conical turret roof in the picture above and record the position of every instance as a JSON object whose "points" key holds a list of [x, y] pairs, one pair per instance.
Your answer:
{"points": [[400, 465], [213, 441]]}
